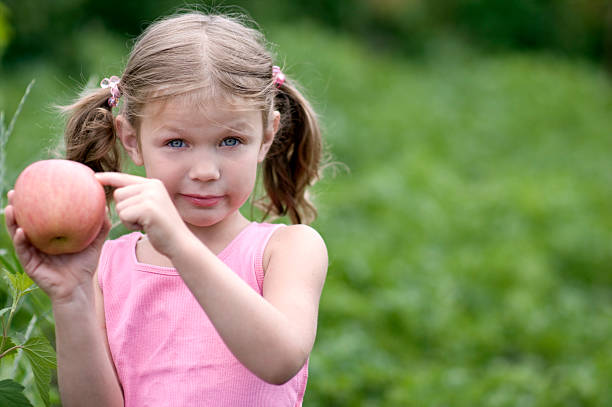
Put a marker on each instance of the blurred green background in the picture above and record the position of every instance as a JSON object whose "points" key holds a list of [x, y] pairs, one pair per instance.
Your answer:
{"points": [[468, 224]]}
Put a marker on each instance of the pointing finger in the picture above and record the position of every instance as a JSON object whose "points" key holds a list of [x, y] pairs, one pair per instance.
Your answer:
{"points": [[118, 179]]}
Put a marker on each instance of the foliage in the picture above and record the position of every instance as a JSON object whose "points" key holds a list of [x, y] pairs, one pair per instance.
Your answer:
{"points": [[470, 241], [37, 350], [574, 27]]}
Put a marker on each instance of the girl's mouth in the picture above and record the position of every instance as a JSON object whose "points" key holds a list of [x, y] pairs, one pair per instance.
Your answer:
{"points": [[202, 201]]}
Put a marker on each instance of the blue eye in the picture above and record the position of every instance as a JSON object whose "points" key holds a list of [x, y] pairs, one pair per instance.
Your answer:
{"points": [[176, 143], [230, 142]]}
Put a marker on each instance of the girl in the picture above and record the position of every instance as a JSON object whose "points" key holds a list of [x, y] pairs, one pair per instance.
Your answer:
{"points": [[204, 308]]}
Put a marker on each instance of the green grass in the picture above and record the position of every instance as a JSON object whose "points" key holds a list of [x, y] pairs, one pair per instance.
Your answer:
{"points": [[471, 240]]}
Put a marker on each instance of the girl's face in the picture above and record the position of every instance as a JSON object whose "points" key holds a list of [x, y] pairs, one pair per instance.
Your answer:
{"points": [[206, 156]]}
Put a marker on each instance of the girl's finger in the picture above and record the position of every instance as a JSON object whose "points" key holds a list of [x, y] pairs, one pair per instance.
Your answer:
{"points": [[20, 240], [23, 248], [118, 179], [129, 201], [10, 195], [130, 213], [9, 216], [126, 192]]}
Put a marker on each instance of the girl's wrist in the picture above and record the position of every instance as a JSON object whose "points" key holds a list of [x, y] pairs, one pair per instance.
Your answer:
{"points": [[79, 297], [186, 246]]}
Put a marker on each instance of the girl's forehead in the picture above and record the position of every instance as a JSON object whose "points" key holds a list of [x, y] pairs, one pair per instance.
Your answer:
{"points": [[184, 108], [203, 98]]}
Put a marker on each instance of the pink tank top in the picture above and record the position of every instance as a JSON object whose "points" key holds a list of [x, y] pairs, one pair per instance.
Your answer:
{"points": [[166, 351]]}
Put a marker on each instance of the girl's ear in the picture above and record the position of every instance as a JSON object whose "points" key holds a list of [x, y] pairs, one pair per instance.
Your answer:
{"points": [[268, 136], [129, 138]]}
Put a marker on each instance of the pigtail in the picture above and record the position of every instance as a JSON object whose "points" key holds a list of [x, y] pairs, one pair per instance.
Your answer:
{"points": [[292, 164], [90, 136]]}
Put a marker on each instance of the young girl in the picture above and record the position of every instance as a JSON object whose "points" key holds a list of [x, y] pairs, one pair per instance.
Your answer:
{"points": [[198, 306]]}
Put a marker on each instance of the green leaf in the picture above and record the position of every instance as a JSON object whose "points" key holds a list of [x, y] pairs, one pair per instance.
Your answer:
{"points": [[41, 351], [11, 394], [29, 290], [8, 343], [41, 356], [20, 282], [25, 282]]}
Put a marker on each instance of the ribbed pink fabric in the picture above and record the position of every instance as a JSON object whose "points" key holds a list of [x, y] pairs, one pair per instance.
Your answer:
{"points": [[166, 351]]}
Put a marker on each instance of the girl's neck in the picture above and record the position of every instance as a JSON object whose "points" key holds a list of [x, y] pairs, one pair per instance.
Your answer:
{"points": [[219, 235], [216, 238]]}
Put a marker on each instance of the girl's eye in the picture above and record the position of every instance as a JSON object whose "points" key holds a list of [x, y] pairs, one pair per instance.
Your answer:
{"points": [[230, 142], [176, 143]]}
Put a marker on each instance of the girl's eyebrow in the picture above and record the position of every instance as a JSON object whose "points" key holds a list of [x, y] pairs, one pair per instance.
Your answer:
{"points": [[170, 128], [238, 126]]}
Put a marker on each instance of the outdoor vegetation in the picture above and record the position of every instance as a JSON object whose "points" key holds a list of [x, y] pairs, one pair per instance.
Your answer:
{"points": [[466, 208]]}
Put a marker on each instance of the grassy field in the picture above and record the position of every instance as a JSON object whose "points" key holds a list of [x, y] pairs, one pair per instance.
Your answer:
{"points": [[469, 225]]}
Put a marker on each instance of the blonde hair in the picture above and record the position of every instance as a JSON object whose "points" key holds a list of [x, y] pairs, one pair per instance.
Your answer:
{"points": [[218, 55]]}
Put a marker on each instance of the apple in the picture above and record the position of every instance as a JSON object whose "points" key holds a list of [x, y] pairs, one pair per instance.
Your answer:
{"points": [[60, 205]]}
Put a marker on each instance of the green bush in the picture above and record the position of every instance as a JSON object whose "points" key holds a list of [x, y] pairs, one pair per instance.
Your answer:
{"points": [[29, 359], [470, 241], [569, 27]]}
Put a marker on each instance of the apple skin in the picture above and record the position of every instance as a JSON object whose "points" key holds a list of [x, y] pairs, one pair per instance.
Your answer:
{"points": [[60, 205]]}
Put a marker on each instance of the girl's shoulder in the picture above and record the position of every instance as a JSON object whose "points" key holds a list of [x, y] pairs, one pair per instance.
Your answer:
{"points": [[298, 231], [296, 241]]}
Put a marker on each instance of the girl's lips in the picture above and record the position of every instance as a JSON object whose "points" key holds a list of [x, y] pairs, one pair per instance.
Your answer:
{"points": [[206, 201]]}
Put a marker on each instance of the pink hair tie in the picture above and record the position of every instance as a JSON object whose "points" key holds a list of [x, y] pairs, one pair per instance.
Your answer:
{"points": [[113, 84], [278, 75]]}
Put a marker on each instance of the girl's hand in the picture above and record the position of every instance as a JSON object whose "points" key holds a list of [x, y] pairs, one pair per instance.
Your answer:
{"points": [[62, 276], [144, 204]]}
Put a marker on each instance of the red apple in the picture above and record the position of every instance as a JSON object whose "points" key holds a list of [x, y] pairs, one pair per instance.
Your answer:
{"points": [[60, 205]]}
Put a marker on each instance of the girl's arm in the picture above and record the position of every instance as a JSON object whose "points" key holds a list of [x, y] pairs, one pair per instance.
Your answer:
{"points": [[86, 374], [271, 335]]}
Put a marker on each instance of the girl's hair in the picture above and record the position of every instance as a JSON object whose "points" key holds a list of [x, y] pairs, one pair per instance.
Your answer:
{"points": [[202, 56]]}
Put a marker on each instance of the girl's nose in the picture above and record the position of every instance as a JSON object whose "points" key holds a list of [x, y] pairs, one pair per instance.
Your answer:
{"points": [[204, 169]]}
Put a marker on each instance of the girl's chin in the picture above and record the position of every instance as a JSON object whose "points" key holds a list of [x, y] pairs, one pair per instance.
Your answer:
{"points": [[201, 223], [203, 218]]}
